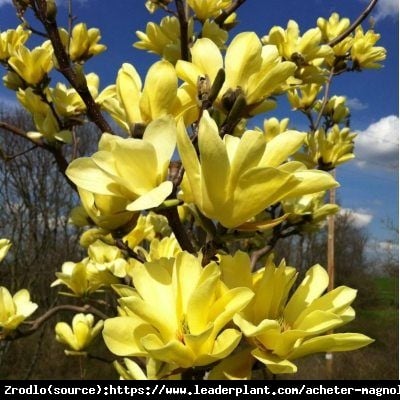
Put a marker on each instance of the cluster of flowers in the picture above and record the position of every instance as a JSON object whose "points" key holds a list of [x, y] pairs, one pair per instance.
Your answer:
{"points": [[179, 310]]}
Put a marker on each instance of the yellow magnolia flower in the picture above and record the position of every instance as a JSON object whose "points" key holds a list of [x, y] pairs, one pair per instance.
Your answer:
{"points": [[176, 314], [302, 50], [328, 150], [213, 32], [106, 211], [273, 127], [83, 42], [153, 5], [235, 179], [205, 9], [303, 98], [14, 309], [130, 169], [80, 335], [310, 210], [253, 70], [335, 109], [5, 245], [154, 370], [32, 65], [83, 278], [10, 40], [143, 230], [107, 257], [331, 29], [163, 39], [130, 107], [306, 51], [282, 329], [364, 53], [167, 247], [67, 101]]}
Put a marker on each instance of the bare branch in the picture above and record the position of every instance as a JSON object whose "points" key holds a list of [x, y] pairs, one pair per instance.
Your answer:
{"points": [[62, 163], [67, 70], [183, 23]]}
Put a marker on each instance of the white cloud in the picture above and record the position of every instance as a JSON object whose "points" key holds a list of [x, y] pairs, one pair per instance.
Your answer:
{"points": [[356, 104], [387, 8], [361, 217], [378, 145]]}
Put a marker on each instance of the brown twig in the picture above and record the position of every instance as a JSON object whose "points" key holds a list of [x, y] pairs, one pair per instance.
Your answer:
{"points": [[325, 99], [178, 229], [183, 23], [66, 69], [227, 12], [38, 322], [354, 25], [61, 162]]}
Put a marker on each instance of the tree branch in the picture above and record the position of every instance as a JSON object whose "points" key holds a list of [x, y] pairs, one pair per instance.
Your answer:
{"points": [[183, 23], [37, 323], [61, 162], [67, 70], [227, 12]]}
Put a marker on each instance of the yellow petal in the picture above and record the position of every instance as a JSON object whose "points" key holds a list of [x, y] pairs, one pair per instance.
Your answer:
{"points": [[122, 335], [128, 87], [274, 363], [214, 164], [152, 198], [251, 330], [85, 174], [312, 286], [281, 147], [170, 352], [189, 160], [210, 64], [159, 90], [331, 343], [236, 270], [161, 133], [242, 59], [235, 367]]}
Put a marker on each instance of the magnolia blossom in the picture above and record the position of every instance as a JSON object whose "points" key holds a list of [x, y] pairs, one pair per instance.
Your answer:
{"points": [[129, 174], [80, 334], [177, 313], [237, 178], [253, 70], [32, 65], [130, 104], [14, 309], [280, 327]]}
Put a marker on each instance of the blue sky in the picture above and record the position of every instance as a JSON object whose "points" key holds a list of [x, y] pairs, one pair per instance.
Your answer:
{"points": [[369, 186]]}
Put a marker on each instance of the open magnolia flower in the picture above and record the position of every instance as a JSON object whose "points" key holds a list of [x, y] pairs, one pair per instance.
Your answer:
{"points": [[80, 335], [177, 313], [255, 71], [129, 104], [32, 65], [237, 178], [131, 170], [14, 309], [281, 329], [11, 39], [83, 278]]}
